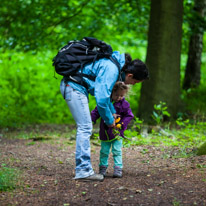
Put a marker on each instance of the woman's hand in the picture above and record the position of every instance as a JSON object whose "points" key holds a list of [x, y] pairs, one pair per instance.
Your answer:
{"points": [[112, 125]]}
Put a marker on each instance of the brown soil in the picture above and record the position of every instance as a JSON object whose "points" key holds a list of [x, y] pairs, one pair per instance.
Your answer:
{"points": [[151, 175]]}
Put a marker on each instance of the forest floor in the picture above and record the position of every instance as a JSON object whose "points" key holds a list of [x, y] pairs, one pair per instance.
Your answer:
{"points": [[151, 175]]}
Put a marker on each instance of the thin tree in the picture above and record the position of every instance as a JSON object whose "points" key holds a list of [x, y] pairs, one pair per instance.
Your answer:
{"points": [[193, 66]]}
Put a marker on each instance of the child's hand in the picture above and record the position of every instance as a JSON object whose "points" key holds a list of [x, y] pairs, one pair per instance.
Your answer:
{"points": [[118, 124], [117, 120]]}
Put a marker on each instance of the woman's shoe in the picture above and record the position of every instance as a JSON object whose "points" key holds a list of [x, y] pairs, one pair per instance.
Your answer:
{"points": [[94, 177]]}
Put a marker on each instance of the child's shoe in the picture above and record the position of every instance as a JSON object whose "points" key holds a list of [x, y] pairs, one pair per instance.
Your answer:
{"points": [[102, 170], [117, 172]]}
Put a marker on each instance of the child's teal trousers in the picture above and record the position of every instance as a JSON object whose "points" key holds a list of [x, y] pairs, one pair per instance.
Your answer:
{"points": [[116, 146]]}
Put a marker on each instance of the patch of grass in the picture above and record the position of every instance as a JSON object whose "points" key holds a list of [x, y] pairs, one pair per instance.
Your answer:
{"points": [[48, 136], [201, 166], [31, 143], [9, 178], [190, 136], [176, 202], [184, 139]]}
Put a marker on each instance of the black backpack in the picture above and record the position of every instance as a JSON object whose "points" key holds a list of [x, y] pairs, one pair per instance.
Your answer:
{"points": [[76, 54]]}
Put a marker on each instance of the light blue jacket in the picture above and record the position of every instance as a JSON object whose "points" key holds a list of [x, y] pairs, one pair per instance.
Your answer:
{"points": [[106, 73]]}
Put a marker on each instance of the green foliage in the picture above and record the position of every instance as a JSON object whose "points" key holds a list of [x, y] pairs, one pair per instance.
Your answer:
{"points": [[160, 112], [28, 91], [181, 122], [54, 23], [137, 123], [133, 132], [9, 178]]}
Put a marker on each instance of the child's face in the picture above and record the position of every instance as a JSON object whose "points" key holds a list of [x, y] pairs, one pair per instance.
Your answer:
{"points": [[118, 95]]}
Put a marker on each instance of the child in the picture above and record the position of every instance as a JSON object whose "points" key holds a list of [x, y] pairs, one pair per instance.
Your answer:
{"points": [[111, 136]]}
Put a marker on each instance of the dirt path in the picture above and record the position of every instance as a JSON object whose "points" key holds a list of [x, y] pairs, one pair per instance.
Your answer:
{"points": [[151, 176]]}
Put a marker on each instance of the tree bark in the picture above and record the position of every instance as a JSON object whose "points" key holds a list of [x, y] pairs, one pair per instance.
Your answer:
{"points": [[193, 66], [163, 58]]}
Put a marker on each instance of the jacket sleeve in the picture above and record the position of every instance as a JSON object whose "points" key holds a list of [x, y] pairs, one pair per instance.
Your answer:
{"points": [[126, 117], [112, 108], [104, 83], [95, 115]]}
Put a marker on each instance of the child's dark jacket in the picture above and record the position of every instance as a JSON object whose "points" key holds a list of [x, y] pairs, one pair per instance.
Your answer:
{"points": [[123, 109]]}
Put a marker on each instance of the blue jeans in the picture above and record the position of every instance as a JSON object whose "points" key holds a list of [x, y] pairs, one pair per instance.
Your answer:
{"points": [[116, 151], [78, 105]]}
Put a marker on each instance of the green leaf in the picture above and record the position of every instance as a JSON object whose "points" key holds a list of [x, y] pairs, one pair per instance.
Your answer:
{"points": [[166, 113]]}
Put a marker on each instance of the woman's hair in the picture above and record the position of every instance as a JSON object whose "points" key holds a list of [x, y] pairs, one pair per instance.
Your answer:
{"points": [[135, 67], [120, 85]]}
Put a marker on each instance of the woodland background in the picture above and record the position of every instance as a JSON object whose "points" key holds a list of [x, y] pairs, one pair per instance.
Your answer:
{"points": [[167, 135], [168, 35]]}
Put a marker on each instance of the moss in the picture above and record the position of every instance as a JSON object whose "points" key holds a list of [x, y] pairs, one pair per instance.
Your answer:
{"points": [[202, 149]]}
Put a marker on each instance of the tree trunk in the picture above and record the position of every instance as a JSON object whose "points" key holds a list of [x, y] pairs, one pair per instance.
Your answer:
{"points": [[163, 58], [193, 67]]}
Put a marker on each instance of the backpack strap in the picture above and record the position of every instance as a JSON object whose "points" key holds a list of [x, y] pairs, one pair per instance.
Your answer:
{"points": [[118, 66], [78, 77]]}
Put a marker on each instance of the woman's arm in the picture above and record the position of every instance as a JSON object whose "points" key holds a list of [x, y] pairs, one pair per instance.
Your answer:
{"points": [[104, 83]]}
